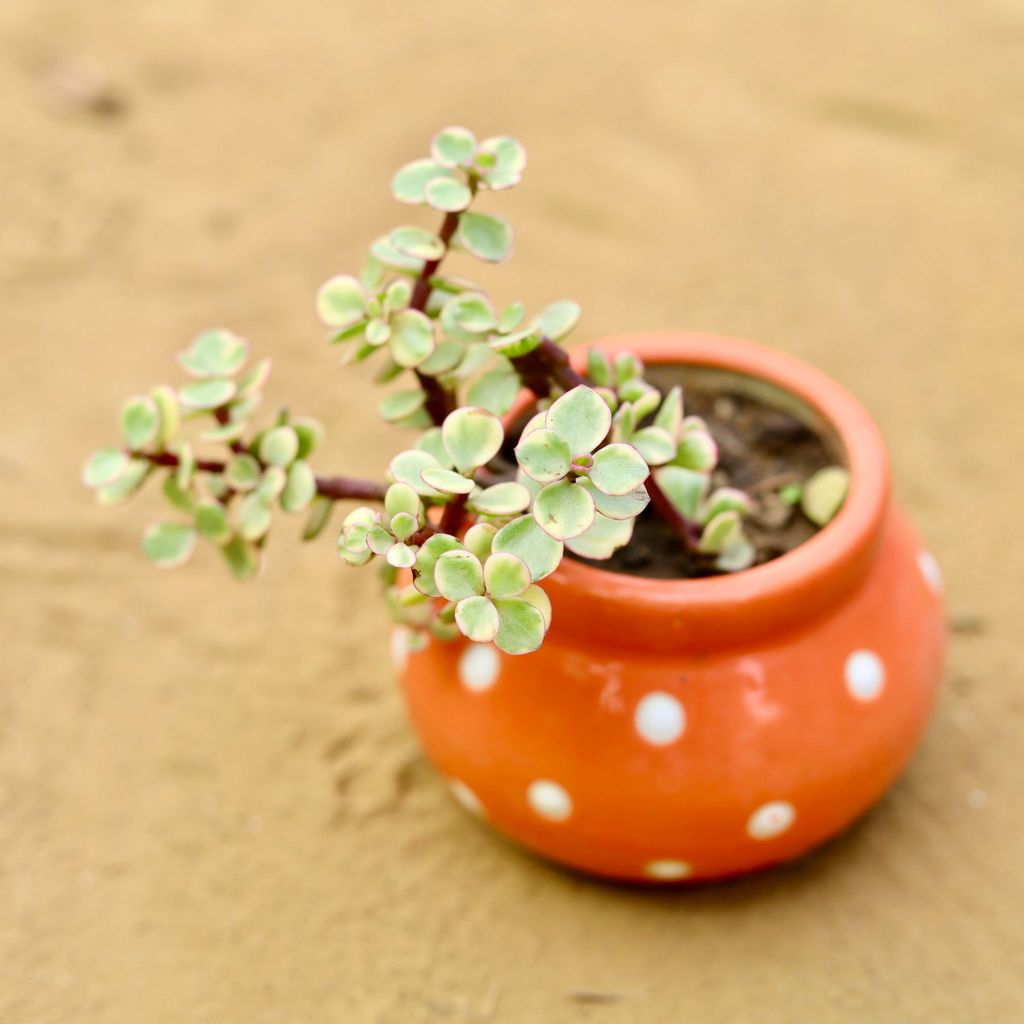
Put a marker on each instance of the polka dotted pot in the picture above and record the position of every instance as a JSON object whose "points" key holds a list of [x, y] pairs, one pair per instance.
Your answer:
{"points": [[680, 730]]}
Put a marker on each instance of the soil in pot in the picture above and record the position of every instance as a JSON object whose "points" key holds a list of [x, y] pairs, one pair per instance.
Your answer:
{"points": [[766, 440]]}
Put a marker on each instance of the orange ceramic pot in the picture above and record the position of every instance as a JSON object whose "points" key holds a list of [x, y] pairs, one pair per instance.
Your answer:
{"points": [[693, 729]]}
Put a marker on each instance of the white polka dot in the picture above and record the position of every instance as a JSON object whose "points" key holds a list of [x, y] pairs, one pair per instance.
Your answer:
{"points": [[771, 819], [399, 648], [479, 667], [930, 570], [667, 870], [466, 798], [660, 718], [865, 675], [549, 800]]}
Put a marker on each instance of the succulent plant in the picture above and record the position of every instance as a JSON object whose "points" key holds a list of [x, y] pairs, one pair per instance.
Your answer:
{"points": [[463, 543]]}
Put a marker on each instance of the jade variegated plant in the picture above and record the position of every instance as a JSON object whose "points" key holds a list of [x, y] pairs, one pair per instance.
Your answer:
{"points": [[482, 506]]}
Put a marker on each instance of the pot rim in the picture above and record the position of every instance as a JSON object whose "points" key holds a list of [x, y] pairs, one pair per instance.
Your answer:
{"points": [[767, 597]]}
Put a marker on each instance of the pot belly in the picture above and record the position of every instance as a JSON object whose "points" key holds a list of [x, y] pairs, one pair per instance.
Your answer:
{"points": [[690, 766]]}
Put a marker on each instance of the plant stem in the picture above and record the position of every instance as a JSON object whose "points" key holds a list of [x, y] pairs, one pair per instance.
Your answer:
{"points": [[548, 364], [454, 514], [681, 527], [337, 488], [440, 400]]}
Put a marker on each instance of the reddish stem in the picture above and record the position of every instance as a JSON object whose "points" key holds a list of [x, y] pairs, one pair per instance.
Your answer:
{"points": [[454, 515], [682, 528]]}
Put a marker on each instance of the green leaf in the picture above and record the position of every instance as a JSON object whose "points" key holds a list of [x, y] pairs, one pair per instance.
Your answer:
{"points": [[477, 619], [102, 468], [207, 394], [655, 444], [223, 434], [512, 317], [448, 195], [539, 599], [387, 254], [479, 538], [426, 558], [487, 237], [212, 521], [697, 451], [604, 538], [300, 487], [400, 404], [397, 296], [446, 481], [412, 337], [670, 415], [618, 469], [581, 417], [254, 378], [401, 498], [216, 353], [341, 302], [739, 555], [520, 343], [627, 367], [453, 147], [410, 183], [186, 465], [621, 506], [725, 499], [504, 499], [169, 412], [598, 368], [127, 484], [469, 312], [791, 494], [404, 525], [443, 359], [378, 332], [401, 556], [243, 558], [458, 574], [520, 626], [406, 467], [721, 532], [319, 516], [544, 456], [684, 488], [824, 494], [169, 544], [505, 575], [523, 537], [243, 473], [564, 510], [309, 432], [177, 498], [495, 391], [558, 319], [501, 160], [432, 442], [272, 483], [279, 446], [254, 517], [472, 437], [415, 242]]}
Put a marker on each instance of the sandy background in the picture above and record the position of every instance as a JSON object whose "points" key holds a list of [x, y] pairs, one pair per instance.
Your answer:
{"points": [[211, 807]]}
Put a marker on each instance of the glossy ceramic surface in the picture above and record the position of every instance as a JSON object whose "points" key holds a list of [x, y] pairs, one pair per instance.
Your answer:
{"points": [[692, 729]]}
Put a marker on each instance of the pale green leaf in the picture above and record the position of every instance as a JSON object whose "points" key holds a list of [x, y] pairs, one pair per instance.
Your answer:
{"points": [[495, 391], [169, 544], [518, 344], [448, 195], [501, 160], [477, 619], [412, 337], [564, 510], [300, 487], [177, 498], [725, 499], [254, 517], [505, 575], [512, 317], [387, 254], [223, 433], [558, 319], [485, 236], [319, 516], [598, 368], [186, 465], [102, 468], [443, 359], [655, 444], [824, 494], [407, 468], [279, 446], [254, 378], [504, 499], [621, 506], [401, 556], [209, 393], [378, 332], [539, 599], [544, 455], [479, 538], [341, 302], [426, 558], [243, 472], [520, 626], [670, 414], [739, 555], [127, 484], [410, 183], [453, 147], [721, 532], [469, 312], [402, 498], [458, 574], [309, 432], [618, 469], [212, 521], [415, 242], [684, 488], [400, 404], [446, 481], [242, 557], [604, 537], [272, 483], [697, 451], [472, 437], [523, 537], [379, 539], [170, 414], [404, 525], [581, 417], [216, 353]]}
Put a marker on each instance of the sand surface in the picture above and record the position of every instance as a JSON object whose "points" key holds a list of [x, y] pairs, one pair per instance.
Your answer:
{"points": [[211, 807]]}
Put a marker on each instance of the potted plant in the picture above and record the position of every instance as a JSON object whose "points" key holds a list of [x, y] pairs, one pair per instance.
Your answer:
{"points": [[656, 615]]}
